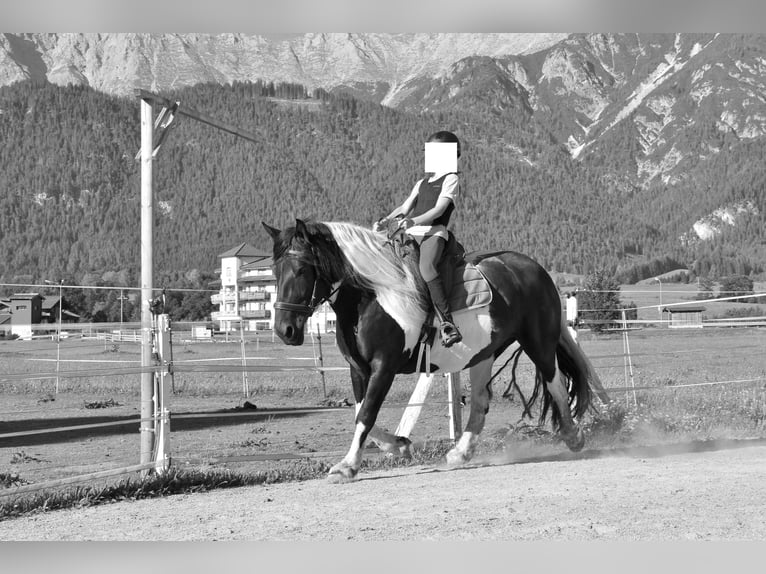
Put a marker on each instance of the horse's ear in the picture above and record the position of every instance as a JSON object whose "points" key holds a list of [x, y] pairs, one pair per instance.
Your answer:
{"points": [[271, 230], [301, 230]]}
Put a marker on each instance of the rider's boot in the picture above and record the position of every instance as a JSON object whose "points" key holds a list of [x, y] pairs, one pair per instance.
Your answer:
{"points": [[447, 329]]}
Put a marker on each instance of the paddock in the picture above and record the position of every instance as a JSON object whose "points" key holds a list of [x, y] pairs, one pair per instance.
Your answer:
{"points": [[254, 404], [274, 410]]}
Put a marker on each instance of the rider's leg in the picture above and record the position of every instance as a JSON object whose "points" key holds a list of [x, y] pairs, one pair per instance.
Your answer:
{"points": [[431, 250]]}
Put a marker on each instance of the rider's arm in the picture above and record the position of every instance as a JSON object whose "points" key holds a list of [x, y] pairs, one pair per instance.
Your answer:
{"points": [[405, 208]]}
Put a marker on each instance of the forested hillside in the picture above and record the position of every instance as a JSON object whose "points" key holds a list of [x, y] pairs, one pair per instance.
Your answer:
{"points": [[69, 184]]}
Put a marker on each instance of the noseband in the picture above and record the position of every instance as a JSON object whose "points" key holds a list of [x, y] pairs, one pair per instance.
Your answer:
{"points": [[315, 301]]}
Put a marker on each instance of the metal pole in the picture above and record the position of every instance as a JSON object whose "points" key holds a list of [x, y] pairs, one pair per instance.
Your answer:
{"points": [[660, 307], [58, 331], [245, 385], [321, 362], [147, 280], [58, 336]]}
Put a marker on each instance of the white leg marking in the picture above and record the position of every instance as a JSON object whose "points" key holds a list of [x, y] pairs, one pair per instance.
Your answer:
{"points": [[348, 468], [463, 450]]}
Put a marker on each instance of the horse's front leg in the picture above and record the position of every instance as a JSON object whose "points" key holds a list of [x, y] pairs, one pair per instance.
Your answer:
{"points": [[391, 444], [367, 412]]}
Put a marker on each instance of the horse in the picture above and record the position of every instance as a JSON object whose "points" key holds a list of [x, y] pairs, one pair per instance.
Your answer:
{"points": [[381, 306]]}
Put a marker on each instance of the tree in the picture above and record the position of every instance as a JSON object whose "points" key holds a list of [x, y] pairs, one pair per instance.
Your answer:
{"points": [[737, 286], [600, 300], [705, 289]]}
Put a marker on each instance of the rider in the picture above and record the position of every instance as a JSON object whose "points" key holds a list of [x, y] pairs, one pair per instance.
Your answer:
{"points": [[425, 215]]}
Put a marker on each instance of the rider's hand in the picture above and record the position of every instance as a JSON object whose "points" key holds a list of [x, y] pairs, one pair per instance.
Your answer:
{"points": [[406, 223], [380, 225]]}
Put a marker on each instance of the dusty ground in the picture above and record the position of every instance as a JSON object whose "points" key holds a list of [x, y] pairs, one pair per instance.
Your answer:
{"points": [[714, 492], [708, 491]]}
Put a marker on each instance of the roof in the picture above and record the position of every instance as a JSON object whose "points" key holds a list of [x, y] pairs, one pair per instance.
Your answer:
{"points": [[25, 296], [258, 264], [684, 309], [50, 302], [244, 250]]}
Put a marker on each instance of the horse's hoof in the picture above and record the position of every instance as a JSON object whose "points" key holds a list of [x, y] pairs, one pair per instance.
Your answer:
{"points": [[403, 447], [457, 458], [576, 441], [342, 473]]}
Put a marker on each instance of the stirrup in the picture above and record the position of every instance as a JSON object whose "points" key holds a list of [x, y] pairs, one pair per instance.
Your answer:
{"points": [[449, 334]]}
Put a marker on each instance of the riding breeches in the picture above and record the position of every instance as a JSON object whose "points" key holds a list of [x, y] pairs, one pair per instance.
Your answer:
{"points": [[431, 250]]}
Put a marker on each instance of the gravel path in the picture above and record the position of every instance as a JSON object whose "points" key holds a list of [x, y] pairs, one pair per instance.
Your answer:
{"points": [[714, 493]]}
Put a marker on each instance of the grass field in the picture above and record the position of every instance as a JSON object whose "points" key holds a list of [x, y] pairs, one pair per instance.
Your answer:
{"points": [[650, 298], [702, 384]]}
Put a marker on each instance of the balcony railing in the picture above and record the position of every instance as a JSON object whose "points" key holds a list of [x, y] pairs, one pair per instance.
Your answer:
{"points": [[259, 278], [256, 314], [218, 298], [254, 296]]}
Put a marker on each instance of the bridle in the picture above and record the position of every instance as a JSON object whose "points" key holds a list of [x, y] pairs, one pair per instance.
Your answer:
{"points": [[314, 302]]}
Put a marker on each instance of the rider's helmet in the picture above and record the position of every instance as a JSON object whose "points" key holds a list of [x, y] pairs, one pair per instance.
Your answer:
{"points": [[445, 137]]}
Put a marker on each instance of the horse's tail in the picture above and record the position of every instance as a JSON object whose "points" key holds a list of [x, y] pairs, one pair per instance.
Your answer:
{"points": [[581, 377], [578, 375]]}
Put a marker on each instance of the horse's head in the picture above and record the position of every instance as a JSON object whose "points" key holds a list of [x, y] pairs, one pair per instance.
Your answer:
{"points": [[300, 285]]}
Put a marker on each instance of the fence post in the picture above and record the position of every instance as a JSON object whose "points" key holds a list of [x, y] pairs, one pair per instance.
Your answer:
{"points": [[628, 362], [321, 363], [245, 382], [455, 409]]}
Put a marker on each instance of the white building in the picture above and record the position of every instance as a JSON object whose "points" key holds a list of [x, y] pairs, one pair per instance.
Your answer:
{"points": [[248, 291]]}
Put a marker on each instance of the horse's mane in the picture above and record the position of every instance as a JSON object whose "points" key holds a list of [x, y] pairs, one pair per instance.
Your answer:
{"points": [[364, 259]]}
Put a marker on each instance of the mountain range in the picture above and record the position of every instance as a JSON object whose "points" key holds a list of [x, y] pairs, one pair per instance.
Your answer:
{"points": [[668, 123]]}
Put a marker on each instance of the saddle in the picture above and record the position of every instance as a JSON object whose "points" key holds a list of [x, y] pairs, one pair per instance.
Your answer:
{"points": [[464, 284]]}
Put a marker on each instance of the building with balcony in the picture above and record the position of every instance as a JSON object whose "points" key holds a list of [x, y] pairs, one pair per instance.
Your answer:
{"points": [[248, 292]]}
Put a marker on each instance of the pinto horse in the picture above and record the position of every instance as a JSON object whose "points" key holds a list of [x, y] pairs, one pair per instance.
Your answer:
{"points": [[381, 305]]}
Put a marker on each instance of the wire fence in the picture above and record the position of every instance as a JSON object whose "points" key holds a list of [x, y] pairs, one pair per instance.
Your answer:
{"points": [[81, 391]]}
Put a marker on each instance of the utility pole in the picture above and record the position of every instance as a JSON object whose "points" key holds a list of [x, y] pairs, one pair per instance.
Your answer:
{"points": [[147, 280]]}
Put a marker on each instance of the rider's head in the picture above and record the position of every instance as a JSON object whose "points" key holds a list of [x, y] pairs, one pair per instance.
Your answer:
{"points": [[445, 137]]}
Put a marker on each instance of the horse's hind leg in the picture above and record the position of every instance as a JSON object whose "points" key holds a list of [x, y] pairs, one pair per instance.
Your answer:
{"points": [[465, 447], [570, 432]]}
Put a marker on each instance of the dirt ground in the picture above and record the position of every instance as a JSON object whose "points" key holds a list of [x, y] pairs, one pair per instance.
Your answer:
{"points": [[692, 491]]}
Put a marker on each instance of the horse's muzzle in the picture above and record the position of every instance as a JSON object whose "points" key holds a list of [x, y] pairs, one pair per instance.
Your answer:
{"points": [[290, 331]]}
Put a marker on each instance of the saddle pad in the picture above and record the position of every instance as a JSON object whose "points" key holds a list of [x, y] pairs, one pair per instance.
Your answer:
{"points": [[470, 289]]}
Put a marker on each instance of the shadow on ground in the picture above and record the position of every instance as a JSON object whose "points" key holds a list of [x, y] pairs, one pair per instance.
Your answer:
{"points": [[65, 429]]}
